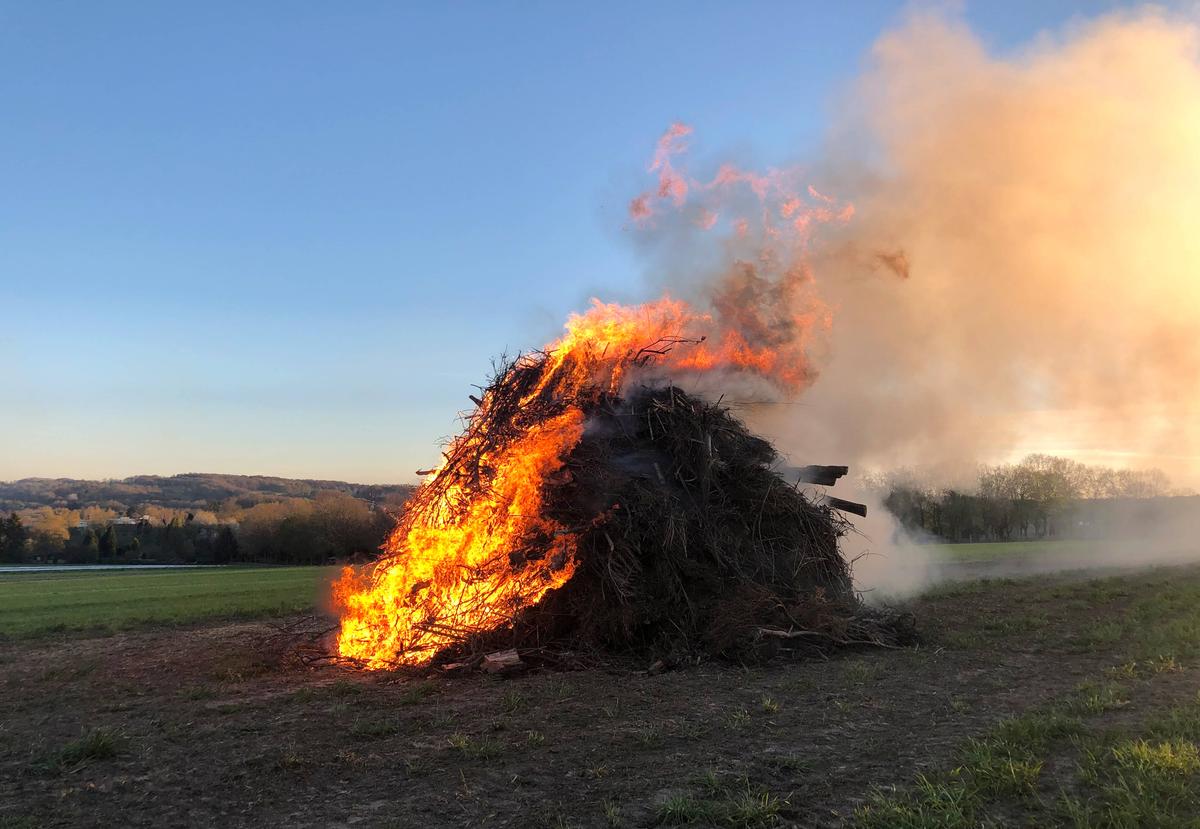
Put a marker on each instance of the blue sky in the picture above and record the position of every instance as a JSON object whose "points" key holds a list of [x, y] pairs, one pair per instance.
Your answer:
{"points": [[285, 238]]}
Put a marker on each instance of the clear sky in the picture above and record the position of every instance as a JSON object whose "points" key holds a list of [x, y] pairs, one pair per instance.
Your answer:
{"points": [[285, 238]]}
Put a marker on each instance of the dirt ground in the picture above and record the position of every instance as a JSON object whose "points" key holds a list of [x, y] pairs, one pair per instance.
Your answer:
{"points": [[199, 732]]}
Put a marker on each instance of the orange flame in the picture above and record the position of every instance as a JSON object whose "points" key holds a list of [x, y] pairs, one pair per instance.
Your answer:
{"points": [[439, 577], [449, 569]]}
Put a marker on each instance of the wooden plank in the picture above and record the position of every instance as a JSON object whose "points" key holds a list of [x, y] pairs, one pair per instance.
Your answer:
{"points": [[845, 506], [821, 475]]}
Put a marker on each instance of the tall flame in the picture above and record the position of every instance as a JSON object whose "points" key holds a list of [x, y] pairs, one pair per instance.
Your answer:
{"points": [[448, 566]]}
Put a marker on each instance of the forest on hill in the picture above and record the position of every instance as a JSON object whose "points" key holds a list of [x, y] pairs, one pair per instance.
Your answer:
{"points": [[195, 518], [190, 491]]}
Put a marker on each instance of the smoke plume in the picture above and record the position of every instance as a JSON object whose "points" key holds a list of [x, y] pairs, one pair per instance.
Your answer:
{"points": [[994, 254], [1024, 253]]}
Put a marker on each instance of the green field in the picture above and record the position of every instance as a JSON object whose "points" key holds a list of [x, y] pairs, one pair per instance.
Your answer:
{"points": [[36, 603], [986, 551], [33, 603]]}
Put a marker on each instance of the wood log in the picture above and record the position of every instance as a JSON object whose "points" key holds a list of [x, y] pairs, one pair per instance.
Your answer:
{"points": [[821, 475], [844, 506], [502, 662]]}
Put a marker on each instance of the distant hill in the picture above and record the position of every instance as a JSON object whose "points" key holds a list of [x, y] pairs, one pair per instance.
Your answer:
{"points": [[189, 491]]}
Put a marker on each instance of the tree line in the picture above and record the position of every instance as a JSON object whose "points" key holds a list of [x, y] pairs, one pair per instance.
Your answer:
{"points": [[331, 526], [1029, 499], [191, 491]]}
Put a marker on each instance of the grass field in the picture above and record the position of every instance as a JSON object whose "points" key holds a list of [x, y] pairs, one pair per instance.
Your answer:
{"points": [[37, 603], [1056, 701], [1005, 549], [34, 603]]}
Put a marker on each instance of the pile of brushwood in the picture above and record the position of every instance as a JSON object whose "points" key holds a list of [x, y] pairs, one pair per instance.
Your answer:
{"points": [[688, 540]]}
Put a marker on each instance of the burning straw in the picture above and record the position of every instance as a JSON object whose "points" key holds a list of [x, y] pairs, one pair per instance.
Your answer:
{"points": [[584, 504]]}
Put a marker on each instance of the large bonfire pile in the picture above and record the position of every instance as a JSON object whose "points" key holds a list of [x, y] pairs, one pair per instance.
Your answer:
{"points": [[590, 502]]}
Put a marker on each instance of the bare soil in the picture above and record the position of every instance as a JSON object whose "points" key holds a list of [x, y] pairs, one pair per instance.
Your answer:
{"points": [[205, 732]]}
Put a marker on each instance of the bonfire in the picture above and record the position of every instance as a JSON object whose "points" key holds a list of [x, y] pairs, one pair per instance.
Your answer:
{"points": [[590, 502]]}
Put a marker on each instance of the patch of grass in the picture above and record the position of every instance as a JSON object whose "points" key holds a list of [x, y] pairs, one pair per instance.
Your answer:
{"points": [[374, 729], [710, 780], [789, 763], [482, 748], [344, 688], [1096, 698], [1127, 670], [19, 822], [966, 589], [752, 807], [512, 701], [199, 692], [291, 760], [861, 671], [95, 744], [304, 695], [534, 738], [683, 809], [553, 820], [417, 766], [738, 718], [339, 692], [1015, 624], [70, 671], [650, 736], [1004, 765], [994, 767], [1164, 665], [1179, 721], [612, 812], [769, 704], [741, 805], [1035, 730], [1102, 634], [417, 692], [1135, 783], [962, 639], [611, 709], [1173, 758], [350, 758], [932, 805]]}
